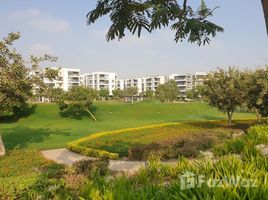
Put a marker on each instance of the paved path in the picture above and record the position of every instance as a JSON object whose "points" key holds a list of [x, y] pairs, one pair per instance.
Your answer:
{"points": [[64, 156]]}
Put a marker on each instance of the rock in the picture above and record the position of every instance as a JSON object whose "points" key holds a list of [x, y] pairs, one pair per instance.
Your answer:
{"points": [[263, 148], [239, 134], [206, 154], [2, 147]]}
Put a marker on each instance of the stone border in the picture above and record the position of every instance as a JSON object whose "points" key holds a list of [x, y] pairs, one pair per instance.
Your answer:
{"points": [[2, 147]]}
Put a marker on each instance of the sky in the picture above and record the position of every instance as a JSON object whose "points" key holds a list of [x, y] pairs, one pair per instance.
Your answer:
{"points": [[60, 28]]}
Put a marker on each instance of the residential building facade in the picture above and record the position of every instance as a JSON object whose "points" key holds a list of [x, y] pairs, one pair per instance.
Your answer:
{"points": [[101, 80], [184, 83]]}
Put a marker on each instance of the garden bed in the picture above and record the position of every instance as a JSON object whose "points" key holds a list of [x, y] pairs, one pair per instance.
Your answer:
{"points": [[171, 140]]}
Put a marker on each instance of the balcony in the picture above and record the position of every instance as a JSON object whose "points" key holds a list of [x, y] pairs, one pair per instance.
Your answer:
{"points": [[73, 74], [73, 80]]}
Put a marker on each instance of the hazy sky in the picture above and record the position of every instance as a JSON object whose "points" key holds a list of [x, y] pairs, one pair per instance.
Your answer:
{"points": [[59, 27]]}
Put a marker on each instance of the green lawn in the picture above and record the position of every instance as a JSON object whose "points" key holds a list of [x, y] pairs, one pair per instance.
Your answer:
{"points": [[46, 129]]}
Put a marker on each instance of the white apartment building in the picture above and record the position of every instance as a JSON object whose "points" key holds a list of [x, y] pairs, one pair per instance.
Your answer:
{"points": [[65, 80], [134, 82], [152, 82], [199, 78], [70, 78], [109, 80], [184, 82], [120, 84], [101, 80]]}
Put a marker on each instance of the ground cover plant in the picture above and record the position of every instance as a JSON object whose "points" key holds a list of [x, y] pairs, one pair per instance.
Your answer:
{"points": [[171, 140], [233, 176], [45, 128]]}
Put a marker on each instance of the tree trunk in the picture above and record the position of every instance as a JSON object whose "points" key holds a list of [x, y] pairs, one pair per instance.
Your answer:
{"points": [[265, 10], [132, 100], [230, 116], [258, 115], [90, 113]]}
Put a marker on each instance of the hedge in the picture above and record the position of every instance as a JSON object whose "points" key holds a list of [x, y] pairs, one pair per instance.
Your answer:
{"points": [[77, 145]]}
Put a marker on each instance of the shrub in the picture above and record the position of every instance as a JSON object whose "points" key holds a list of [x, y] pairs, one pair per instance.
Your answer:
{"points": [[258, 134], [90, 167], [91, 152], [54, 170], [142, 152]]}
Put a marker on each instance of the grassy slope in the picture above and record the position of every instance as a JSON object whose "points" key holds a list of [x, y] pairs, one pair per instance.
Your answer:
{"points": [[46, 129]]}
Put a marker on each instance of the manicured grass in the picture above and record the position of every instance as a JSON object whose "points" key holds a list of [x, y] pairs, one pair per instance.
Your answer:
{"points": [[46, 129], [168, 135]]}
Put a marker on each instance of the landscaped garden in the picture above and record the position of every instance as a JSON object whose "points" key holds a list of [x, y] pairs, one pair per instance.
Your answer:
{"points": [[171, 140], [45, 128]]}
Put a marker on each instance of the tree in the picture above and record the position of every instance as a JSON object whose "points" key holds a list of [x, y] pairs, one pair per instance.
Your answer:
{"points": [[118, 93], [167, 92], [104, 93], [224, 90], [172, 90], [78, 101], [160, 92], [136, 15], [265, 10], [16, 81], [195, 93], [148, 94], [131, 92], [53, 94], [256, 88], [192, 94]]}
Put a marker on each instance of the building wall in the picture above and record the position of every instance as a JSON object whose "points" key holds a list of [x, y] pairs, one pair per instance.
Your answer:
{"points": [[101, 80]]}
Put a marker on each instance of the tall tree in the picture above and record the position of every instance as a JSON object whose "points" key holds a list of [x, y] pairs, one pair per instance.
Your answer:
{"points": [[16, 81], [172, 90], [167, 92], [150, 15], [256, 88], [161, 93], [224, 90]]}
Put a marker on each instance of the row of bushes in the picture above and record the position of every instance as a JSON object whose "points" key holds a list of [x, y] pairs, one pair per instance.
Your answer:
{"points": [[91, 152], [80, 146]]}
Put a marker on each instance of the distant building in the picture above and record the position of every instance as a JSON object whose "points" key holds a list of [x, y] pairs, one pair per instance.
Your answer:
{"points": [[184, 83], [101, 80], [66, 79], [152, 82]]}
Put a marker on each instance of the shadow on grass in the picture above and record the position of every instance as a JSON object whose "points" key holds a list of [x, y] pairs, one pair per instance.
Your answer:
{"points": [[236, 124], [22, 137], [77, 113], [29, 110]]}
